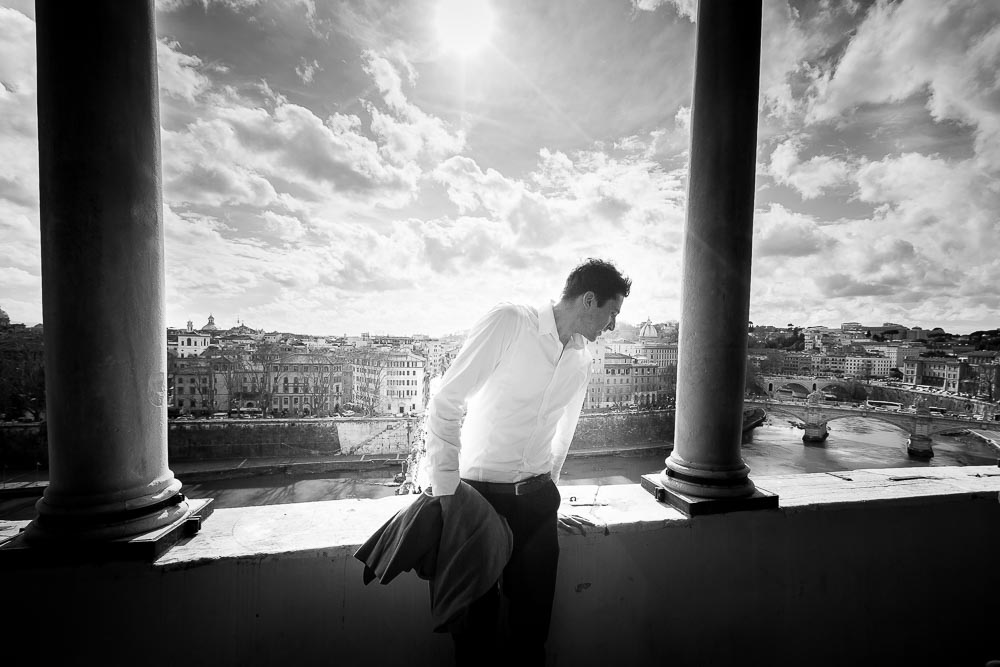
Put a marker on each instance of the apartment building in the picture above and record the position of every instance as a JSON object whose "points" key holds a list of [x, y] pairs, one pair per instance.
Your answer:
{"points": [[947, 373]]}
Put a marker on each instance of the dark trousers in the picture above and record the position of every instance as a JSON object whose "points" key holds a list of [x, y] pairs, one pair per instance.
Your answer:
{"points": [[511, 621]]}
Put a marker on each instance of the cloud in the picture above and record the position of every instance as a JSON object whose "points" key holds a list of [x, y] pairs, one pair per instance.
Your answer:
{"points": [[810, 178], [13, 277], [836, 285], [685, 8], [781, 233], [948, 205], [948, 50], [18, 122], [464, 244], [306, 70], [254, 147], [787, 45], [178, 72], [236, 5], [531, 219], [406, 133], [17, 53], [470, 188], [20, 248], [286, 227]]}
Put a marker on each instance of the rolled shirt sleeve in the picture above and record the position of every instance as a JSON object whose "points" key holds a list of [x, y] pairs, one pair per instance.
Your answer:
{"points": [[488, 341]]}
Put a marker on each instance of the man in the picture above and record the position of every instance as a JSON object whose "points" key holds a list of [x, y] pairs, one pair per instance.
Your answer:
{"points": [[519, 381]]}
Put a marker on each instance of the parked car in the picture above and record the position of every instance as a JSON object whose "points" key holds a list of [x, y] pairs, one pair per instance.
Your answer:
{"points": [[348, 413]]}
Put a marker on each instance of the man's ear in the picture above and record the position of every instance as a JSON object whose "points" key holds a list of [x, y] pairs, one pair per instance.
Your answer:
{"points": [[589, 300]]}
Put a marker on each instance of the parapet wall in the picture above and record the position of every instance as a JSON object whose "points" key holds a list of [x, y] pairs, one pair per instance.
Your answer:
{"points": [[24, 445], [871, 569]]}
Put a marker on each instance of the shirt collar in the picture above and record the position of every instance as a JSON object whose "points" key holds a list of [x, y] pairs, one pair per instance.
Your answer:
{"points": [[547, 326], [547, 320]]}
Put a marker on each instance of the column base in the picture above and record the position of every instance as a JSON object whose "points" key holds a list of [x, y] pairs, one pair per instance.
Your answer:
{"points": [[25, 549], [695, 506], [813, 433]]}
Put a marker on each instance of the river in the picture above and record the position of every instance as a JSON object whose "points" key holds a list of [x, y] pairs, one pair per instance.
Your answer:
{"points": [[776, 448], [773, 448]]}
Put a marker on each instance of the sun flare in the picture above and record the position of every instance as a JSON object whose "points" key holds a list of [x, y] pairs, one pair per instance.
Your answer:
{"points": [[464, 26]]}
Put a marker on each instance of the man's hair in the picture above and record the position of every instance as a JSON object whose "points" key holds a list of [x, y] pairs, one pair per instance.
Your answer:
{"points": [[599, 277]]}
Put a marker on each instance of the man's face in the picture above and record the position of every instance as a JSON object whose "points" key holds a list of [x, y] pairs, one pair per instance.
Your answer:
{"points": [[602, 318]]}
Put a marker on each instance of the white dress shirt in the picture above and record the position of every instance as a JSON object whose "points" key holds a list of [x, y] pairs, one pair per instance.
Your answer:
{"points": [[523, 390]]}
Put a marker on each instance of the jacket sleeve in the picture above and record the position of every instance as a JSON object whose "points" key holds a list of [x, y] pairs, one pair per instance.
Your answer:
{"points": [[482, 352]]}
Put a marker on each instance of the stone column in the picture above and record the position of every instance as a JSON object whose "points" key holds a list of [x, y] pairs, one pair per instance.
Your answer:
{"points": [[102, 274], [715, 299]]}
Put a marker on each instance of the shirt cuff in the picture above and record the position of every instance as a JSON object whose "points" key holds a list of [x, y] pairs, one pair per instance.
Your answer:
{"points": [[444, 484]]}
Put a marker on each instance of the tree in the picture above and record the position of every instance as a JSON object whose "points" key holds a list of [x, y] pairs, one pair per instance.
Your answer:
{"points": [[238, 379], [268, 358], [192, 379], [666, 381], [317, 380], [369, 378], [752, 385], [22, 376], [985, 340], [988, 381], [22, 386]]}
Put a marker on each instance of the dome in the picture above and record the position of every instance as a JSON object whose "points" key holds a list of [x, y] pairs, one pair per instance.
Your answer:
{"points": [[648, 330], [211, 325]]}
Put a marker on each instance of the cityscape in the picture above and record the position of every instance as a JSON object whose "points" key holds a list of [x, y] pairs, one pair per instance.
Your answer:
{"points": [[241, 372]]}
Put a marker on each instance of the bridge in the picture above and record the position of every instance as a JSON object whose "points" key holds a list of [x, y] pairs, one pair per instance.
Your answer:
{"points": [[799, 384], [816, 413]]}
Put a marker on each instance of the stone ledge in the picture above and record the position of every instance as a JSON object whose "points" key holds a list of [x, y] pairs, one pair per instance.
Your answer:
{"points": [[334, 529], [811, 491]]}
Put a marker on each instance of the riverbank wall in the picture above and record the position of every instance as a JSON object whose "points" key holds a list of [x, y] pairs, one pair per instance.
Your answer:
{"points": [[23, 446]]}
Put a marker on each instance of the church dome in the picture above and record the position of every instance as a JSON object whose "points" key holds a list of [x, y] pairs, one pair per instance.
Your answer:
{"points": [[211, 325], [647, 330]]}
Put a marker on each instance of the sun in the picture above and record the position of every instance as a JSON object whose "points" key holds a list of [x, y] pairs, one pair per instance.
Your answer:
{"points": [[464, 26]]}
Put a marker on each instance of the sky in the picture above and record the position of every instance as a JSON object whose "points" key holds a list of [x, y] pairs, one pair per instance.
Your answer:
{"points": [[393, 167]]}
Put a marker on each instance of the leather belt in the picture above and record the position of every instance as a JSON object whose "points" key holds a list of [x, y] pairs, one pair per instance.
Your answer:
{"points": [[522, 488]]}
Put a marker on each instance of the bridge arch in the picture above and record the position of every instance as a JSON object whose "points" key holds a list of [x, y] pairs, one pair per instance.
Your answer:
{"points": [[873, 415], [797, 387], [784, 412], [808, 384]]}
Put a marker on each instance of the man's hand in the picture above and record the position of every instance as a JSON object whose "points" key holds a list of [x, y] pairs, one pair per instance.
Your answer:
{"points": [[573, 523]]}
